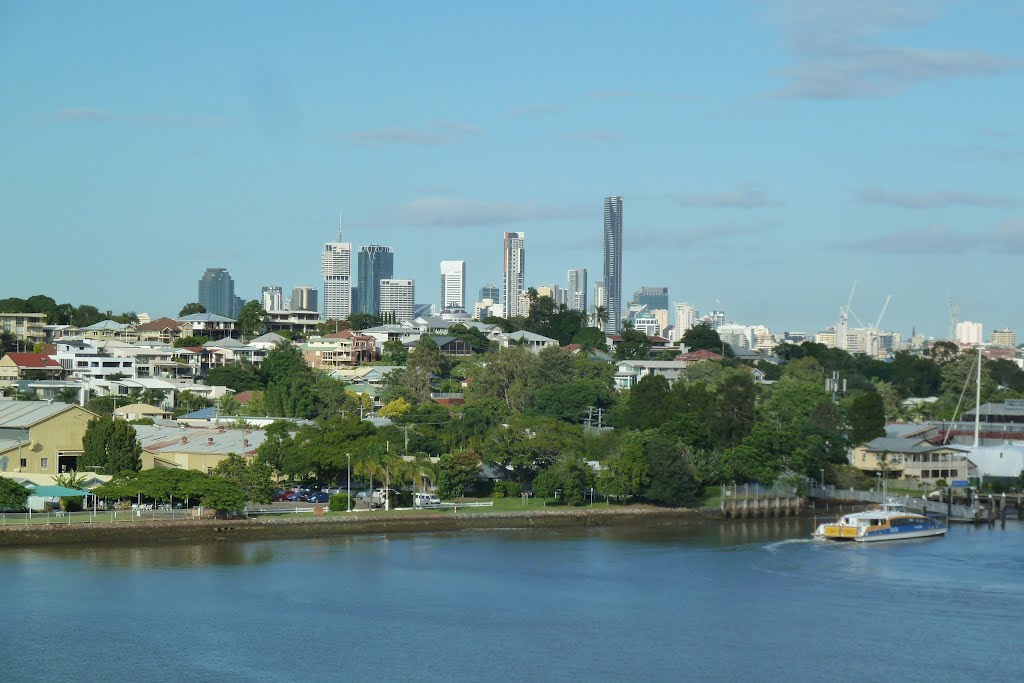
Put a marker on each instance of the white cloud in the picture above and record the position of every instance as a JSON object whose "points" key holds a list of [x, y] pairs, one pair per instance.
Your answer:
{"points": [[934, 200], [841, 49], [746, 197], [462, 213]]}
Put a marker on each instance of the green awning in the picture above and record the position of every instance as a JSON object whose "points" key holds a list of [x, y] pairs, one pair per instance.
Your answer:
{"points": [[57, 492]]}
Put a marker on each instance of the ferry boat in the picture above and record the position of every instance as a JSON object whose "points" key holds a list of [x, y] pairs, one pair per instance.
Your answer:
{"points": [[890, 522]]}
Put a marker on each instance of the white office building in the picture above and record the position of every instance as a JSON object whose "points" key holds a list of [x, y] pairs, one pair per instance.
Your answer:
{"points": [[578, 289], [686, 317], [398, 297], [271, 298], [337, 271], [453, 285], [969, 334]]}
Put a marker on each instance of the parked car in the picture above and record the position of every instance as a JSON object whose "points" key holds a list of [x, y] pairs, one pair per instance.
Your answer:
{"points": [[319, 497], [295, 496], [425, 500]]}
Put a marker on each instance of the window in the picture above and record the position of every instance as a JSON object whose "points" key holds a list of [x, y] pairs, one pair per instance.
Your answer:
{"points": [[23, 462], [44, 463]]}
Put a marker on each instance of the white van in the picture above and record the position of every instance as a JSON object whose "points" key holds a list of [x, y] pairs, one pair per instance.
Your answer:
{"points": [[425, 500]]}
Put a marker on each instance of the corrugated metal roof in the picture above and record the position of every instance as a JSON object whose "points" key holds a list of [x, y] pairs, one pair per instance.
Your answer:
{"points": [[157, 439], [22, 414]]}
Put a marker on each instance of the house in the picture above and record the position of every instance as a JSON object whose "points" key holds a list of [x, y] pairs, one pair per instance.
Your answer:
{"points": [[629, 372], [108, 330], [450, 346], [89, 359], [691, 357], [339, 349], [164, 330], [657, 342], [229, 350], [41, 438], [269, 341], [913, 460], [373, 375], [532, 341], [140, 411], [302, 323], [15, 366], [208, 325]]}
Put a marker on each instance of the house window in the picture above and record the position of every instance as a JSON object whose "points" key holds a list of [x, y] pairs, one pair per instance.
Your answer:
{"points": [[23, 462], [44, 463]]}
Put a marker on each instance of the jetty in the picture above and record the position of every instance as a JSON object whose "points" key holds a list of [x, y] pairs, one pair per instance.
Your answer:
{"points": [[976, 509]]}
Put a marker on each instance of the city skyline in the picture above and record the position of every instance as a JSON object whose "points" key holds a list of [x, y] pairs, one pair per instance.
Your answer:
{"points": [[823, 144]]}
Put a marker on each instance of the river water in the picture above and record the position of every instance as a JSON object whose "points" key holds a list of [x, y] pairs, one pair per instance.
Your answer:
{"points": [[725, 602]]}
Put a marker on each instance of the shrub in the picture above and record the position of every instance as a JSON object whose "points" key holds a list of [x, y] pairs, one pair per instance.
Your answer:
{"points": [[403, 499], [545, 483], [509, 489], [338, 502]]}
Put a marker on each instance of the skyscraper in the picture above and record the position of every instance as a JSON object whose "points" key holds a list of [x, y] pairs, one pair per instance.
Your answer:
{"points": [[613, 263], [453, 285], [600, 301], [578, 289], [217, 292], [271, 299], [686, 317], [397, 297], [513, 276], [376, 263], [336, 265], [304, 299]]}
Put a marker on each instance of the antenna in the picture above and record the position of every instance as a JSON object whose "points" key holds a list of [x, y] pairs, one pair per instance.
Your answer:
{"points": [[339, 225]]}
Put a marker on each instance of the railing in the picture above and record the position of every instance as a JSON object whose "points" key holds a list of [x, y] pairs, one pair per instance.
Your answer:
{"points": [[913, 503], [739, 491]]}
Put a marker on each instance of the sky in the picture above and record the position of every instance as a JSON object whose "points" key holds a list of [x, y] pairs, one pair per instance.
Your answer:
{"points": [[770, 153]]}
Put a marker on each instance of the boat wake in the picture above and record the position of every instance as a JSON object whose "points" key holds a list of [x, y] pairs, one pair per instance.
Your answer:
{"points": [[774, 547]]}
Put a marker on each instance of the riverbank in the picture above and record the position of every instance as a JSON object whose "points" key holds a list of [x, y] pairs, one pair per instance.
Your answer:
{"points": [[260, 528]]}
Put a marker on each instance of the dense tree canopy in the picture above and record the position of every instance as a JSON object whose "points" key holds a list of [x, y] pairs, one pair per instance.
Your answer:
{"points": [[110, 447]]}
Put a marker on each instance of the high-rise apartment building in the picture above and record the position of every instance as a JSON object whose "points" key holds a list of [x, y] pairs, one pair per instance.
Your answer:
{"points": [[397, 297], [514, 273], [217, 293], [557, 295], [304, 299], [336, 266], [578, 289], [969, 334], [376, 263], [453, 285], [686, 317], [613, 263], [272, 299]]}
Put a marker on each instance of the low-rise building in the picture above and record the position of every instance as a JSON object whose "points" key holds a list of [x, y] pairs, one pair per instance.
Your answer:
{"points": [[209, 325], [41, 438], [194, 448], [532, 341], [913, 460], [17, 366], [25, 327]]}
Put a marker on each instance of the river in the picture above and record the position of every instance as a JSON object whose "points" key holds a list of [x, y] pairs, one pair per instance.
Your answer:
{"points": [[724, 602]]}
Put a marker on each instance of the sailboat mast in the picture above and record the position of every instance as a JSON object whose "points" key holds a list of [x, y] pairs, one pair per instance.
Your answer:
{"points": [[977, 401]]}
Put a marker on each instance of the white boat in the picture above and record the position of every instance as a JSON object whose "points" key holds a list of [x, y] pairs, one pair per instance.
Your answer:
{"points": [[890, 522]]}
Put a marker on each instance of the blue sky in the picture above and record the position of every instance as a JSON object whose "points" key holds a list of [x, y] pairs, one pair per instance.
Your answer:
{"points": [[769, 153]]}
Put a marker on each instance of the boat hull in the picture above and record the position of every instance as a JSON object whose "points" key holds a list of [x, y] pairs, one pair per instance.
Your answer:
{"points": [[900, 535]]}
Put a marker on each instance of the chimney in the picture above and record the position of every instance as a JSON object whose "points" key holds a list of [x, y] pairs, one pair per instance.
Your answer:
{"points": [[209, 441]]}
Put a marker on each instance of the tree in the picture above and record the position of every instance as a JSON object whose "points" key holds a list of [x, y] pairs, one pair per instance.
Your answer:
{"points": [[634, 345], [362, 321], [590, 338], [221, 495], [865, 412], [190, 309], [276, 444], [395, 408], [253, 476], [13, 496], [625, 475], [394, 352], [673, 480], [942, 352], [703, 336], [284, 361], [190, 342], [600, 317], [110, 444], [70, 480], [456, 472], [252, 319], [240, 376]]}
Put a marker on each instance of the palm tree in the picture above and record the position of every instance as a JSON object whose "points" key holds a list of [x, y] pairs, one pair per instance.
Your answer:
{"points": [[601, 316], [69, 480]]}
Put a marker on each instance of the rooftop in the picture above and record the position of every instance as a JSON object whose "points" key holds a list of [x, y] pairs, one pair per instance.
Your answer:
{"points": [[23, 414]]}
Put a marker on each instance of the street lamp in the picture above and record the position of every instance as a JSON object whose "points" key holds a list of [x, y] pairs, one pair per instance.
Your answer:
{"points": [[348, 457], [822, 477]]}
